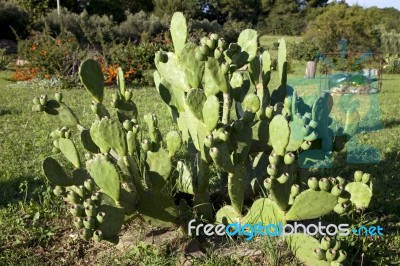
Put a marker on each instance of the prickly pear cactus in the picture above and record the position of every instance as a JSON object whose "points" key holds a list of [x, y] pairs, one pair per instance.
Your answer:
{"points": [[122, 172], [258, 149], [272, 135]]}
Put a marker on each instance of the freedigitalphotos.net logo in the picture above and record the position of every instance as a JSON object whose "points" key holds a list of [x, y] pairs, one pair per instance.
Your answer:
{"points": [[249, 231]]}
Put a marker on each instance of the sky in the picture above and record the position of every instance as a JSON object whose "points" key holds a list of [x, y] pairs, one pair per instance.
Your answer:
{"points": [[378, 3]]}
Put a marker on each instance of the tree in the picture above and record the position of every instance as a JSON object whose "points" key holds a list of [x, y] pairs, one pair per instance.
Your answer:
{"points": [[285, 17], [190, 8], [246, 11], [342, 22]]}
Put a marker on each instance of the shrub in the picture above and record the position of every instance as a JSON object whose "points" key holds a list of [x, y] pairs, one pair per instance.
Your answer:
{"points": [[88, 29], [133, 58], [303, 51], [232, 28], [65, 21], [136, 24], [201, 28], [107, 8], [392, 64], [13, 17], [49, 56], [4, 59]]}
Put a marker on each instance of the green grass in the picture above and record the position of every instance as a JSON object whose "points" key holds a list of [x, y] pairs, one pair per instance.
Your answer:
{"points": [[267, 41], [32, 221]]}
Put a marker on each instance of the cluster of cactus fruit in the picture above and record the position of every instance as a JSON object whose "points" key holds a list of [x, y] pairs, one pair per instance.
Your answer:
{"points": [[259, 149], [325, 252]]}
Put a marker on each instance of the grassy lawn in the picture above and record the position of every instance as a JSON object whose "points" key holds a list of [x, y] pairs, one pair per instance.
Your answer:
{"points": [[267, 41], [33, 227]]}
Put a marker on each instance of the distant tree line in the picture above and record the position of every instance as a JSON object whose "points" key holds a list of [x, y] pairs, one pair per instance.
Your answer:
{"points": [[320, 22]]}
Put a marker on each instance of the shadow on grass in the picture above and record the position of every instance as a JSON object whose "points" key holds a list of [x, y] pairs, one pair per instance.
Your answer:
{"points": [[5, 112], [21, 189], [391, 123]]}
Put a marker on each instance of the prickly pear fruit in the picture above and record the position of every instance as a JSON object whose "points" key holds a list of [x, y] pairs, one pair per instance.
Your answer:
{"points": [[341, 256], [97, 235], [358, 176], [90, 211], [340, 208], [43, 99], [330, 254], [78, 223], [365, 178], [89, 185], [272, 170], [306, 145], [319, 253], [86, 234], [324, 184], [209, 141], [337, 190], [289, 158], [77, 210], [88, 202], [58, 96], [89, 223], [295, 190], [313, 183], [268, 183], [73, 197], [283, 178], [100, 217], [326, 242], [274, 158], [58, 191]]}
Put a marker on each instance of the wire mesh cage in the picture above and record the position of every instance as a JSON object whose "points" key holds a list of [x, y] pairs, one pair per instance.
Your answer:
{"points": [[351, 72]]}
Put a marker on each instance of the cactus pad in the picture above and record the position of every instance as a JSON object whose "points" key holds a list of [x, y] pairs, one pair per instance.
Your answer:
{"points": [[195, 100], [109, 133], [92, 78], [185, 179], [251, 103], [248, 43], [211, 112], [69, 150], [352, 121], [55, 173], [174, 142], [160, 167], [303, 247], [158, 209], [361, 194], [87, 142], [214, 78], [193, 68], [173, 73], [279, 133], [311, 204], [121, 81], [178, 32], [227, 215], [105, 175], [265, 211], [236, 183], [112, 223]]}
